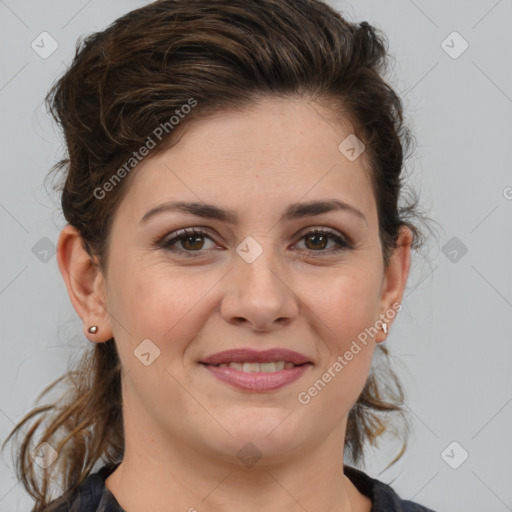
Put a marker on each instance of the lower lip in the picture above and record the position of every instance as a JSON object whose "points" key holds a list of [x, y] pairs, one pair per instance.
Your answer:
{"points": [[258, 381]]}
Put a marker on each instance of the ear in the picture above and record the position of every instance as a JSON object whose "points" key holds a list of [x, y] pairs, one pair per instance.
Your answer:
{"points": [[85, 283], [394, 280]]}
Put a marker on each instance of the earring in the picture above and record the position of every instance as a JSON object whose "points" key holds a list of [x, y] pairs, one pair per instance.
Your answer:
{"points": [[93, 329], [385, 327]]}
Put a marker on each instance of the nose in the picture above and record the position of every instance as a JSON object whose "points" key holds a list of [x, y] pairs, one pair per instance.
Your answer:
{"points": [[258, 294]]}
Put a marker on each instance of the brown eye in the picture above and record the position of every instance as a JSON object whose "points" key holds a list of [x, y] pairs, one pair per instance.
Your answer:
{"points": [[192, 242], [318, 240], [186, 242]]}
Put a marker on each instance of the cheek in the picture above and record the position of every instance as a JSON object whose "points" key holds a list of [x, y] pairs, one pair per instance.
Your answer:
{"points": [[158, 306], [161, 304], [345, 303]]}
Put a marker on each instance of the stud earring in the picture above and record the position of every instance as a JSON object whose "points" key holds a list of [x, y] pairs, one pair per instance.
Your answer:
{"points": [[93, 329], [385, 327]]}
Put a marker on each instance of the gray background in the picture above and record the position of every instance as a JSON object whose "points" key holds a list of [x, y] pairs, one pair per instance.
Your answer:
{"points": [[451, 342]]}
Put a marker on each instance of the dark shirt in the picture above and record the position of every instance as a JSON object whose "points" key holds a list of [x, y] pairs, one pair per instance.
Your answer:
{"points": [[93, 496]]}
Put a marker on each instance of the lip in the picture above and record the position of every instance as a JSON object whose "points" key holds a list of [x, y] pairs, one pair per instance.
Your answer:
{"points": [[245, 355], [257, 381]]}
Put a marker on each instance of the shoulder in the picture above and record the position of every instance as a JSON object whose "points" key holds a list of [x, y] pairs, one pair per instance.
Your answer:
{"points": [[384, 498], [90, 496]]}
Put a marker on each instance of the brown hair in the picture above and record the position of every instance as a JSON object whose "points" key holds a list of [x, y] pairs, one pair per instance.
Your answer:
{"points": [[126, 81]]}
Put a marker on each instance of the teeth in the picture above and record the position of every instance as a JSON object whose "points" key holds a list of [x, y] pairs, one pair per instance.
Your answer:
{"points": [[251, 367], [273, 366]]}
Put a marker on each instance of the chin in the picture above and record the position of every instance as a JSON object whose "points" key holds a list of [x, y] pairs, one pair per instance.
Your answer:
{"points": [[273, 434]]}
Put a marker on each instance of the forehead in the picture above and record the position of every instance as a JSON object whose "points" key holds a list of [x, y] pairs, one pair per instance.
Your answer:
{"points": [[274, 153]]}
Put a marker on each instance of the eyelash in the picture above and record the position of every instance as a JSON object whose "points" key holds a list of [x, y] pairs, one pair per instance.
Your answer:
{"points": [[167, 242]]}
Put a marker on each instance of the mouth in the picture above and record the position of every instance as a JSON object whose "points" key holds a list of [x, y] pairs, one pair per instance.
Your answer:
{"points": [[257, 371], [250, 367]]}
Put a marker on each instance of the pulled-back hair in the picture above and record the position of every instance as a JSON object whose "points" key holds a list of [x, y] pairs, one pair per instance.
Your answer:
{"points": [[128, 80]]}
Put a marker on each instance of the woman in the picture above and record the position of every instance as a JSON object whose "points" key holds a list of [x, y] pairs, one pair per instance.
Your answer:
{"points": [[236, 253]]}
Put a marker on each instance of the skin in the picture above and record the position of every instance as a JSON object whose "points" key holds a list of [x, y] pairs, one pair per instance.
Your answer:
{"points": [[184, 427]]}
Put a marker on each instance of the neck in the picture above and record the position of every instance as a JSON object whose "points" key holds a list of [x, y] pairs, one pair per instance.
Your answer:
{"points": [[150, 479]]}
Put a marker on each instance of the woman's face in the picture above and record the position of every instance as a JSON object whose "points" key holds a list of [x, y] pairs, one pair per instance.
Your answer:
{"points": [[257, 279]]}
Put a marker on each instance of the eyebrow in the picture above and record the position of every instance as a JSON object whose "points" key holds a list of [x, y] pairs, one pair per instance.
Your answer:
{"points": [[210, 211]]}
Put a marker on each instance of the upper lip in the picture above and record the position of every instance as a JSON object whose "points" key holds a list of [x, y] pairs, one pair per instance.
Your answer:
{"points": [[244, 355]]}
